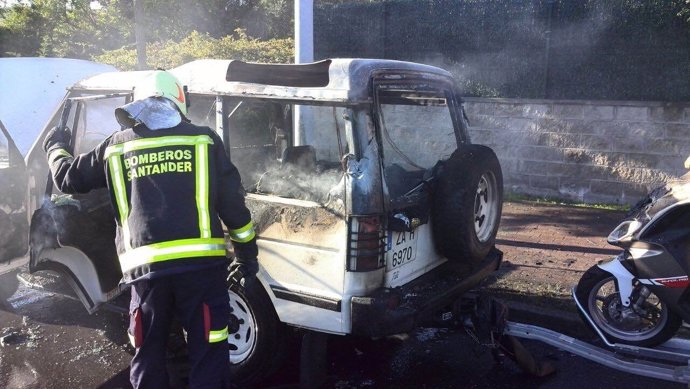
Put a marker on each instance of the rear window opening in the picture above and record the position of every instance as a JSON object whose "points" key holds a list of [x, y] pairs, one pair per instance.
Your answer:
{"points": [[418, 130], [273, 160]]}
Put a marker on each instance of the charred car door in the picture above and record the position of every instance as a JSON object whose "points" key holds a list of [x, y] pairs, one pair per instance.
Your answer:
{"points": [[14, 225], [74, 234]]}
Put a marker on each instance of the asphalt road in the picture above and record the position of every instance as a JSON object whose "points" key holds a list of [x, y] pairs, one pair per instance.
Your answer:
{"points": [[50, 341]]}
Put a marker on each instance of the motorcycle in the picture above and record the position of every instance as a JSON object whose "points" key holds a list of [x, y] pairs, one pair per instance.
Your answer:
{"points": [[642, 296]]}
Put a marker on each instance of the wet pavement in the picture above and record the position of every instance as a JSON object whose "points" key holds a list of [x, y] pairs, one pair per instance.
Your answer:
{"points": [[54, 343], [50, 341]]}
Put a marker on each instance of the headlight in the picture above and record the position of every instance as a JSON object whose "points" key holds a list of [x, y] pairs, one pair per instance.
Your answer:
{"points": [[624, 231]]}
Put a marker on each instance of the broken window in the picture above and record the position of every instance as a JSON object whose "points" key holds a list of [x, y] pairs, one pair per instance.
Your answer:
{"points": [[202, 110], [273, 159], [417, 131], [95, 121]]}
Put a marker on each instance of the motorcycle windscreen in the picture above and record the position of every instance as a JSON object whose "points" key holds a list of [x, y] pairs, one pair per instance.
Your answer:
{"points": [[14, 225]]}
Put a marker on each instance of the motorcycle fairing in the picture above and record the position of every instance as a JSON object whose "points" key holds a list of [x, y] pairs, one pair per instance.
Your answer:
{"points": [[655, 269], [671, 289], [671, 230], [669, 282], [665, 277]]}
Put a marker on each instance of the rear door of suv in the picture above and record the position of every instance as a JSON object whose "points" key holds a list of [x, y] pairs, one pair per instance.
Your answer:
{"points": [[418, 128]]}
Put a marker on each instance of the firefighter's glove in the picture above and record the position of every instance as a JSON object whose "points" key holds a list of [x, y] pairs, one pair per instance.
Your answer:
{"points": [[243, 271], [57, 138]]}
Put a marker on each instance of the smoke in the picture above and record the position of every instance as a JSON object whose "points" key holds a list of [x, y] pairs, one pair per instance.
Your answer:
{"points": [[526, 56], [323, 187]]}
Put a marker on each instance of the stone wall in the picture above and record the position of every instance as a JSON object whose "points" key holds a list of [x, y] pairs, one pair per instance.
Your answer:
{"points": [[588, 151]]}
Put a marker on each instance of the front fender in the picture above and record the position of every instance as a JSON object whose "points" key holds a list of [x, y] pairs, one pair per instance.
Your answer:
{"points": [[624, 279], [79, 272], [78, 245]]}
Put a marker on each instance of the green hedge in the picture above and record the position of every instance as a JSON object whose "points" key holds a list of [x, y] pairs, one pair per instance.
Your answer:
{"points": [[170, 54]]}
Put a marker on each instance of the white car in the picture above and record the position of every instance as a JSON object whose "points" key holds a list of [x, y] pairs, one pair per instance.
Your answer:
{"points": [[374, 211], [33, 90]]}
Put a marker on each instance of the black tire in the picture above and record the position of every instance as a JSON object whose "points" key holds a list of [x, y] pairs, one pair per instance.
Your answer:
{"points": [[589, 296], [467, 204], [257, 338]]}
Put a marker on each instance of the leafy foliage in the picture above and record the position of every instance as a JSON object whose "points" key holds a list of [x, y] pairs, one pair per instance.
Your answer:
{"points": [[21, 30], [175, 19], [61, 28], [78, 29], [196, 45], [683, 7]]}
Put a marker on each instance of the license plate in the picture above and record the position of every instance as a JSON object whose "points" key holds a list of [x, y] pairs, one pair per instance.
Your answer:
{"points": [[402, 249]]}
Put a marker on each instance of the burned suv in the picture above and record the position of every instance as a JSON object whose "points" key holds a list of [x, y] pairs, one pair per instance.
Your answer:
{"points": [[374, 212]]}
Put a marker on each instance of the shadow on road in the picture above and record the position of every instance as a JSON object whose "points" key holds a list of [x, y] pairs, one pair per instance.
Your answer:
{"points": [[557, 247], [118, 381]]}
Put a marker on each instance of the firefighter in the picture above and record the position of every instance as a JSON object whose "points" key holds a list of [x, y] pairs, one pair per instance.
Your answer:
{"points": [[170, 184]]}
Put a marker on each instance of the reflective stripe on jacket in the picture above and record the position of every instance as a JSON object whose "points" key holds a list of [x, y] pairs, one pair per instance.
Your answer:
{"points": [[169, 189]]}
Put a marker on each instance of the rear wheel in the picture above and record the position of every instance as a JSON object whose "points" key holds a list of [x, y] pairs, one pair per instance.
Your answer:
{"points": [[468, 201], [646, 322], [257, 338]]}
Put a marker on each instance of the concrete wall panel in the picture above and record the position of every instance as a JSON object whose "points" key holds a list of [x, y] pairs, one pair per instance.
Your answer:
{"points": [[590, 151]]}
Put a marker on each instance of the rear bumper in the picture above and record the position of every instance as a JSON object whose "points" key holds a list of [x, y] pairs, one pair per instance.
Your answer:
{"points": [[393, 311]]}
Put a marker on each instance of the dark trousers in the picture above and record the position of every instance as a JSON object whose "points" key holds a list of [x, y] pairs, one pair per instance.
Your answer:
{"points": [[200, 302]]}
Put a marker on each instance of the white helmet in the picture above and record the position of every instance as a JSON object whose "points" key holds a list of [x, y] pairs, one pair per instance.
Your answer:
{"points": [[162, 84], [160, 101]]}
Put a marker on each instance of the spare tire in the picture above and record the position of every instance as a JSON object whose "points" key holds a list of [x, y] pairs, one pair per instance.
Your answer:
{"points": [[467, 204]]}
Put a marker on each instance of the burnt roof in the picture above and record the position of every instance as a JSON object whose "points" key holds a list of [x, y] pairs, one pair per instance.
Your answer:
{"points": [[339, 79]]}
